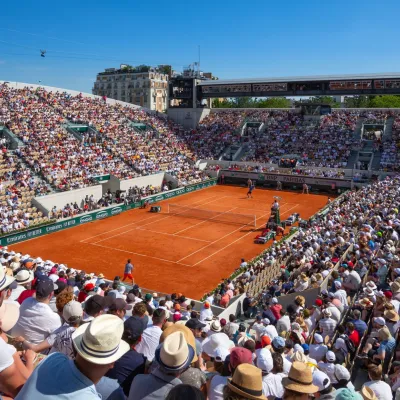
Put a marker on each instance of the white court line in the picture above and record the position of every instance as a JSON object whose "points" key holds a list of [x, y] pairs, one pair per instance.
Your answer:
{"points": [[173, 234], [207, 220], [215, 241], [135, 222], [152, 222], [223, 248], [139, 254]]}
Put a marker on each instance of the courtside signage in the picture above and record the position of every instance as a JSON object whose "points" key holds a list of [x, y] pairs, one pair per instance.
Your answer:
{"points": [[98, 215]]}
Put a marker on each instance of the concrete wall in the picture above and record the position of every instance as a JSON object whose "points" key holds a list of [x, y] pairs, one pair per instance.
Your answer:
{"points": [[173, 181], [155, 180], [189, 118], [46, 203]]}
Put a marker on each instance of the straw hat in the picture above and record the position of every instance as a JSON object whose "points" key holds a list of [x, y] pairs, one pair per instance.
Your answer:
{"points": [[175, 353], [24, 276], [99, 342], [191, 341], [366, 302], [300, 379], [5, 280], [391, 315], [247, 382], [368, 394], [216, 326], [300, 300]]}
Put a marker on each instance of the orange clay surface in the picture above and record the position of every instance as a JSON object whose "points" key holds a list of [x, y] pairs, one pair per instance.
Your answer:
{"points": [[173, 253]]}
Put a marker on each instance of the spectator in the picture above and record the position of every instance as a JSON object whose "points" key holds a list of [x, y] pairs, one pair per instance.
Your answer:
{"points": [[98, 345]]}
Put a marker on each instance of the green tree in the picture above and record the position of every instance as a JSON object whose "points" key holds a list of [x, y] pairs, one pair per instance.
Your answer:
{"points": [[323, 100], [387, 101], [274, 102]]}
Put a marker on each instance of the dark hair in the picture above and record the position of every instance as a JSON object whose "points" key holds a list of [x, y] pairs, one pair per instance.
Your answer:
{"points": [[277, 362], [115, 285], [185, 392], [158, 316], [250, 345], [232, 318]]}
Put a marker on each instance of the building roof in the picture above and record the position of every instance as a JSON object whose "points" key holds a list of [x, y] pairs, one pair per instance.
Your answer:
{"points": [[383, 75]]}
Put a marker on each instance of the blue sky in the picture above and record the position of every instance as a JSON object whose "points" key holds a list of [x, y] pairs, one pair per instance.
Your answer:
{"points": [[238, 39]]}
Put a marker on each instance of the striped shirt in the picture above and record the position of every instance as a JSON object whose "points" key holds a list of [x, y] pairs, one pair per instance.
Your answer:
{"points": [[328, 327]]}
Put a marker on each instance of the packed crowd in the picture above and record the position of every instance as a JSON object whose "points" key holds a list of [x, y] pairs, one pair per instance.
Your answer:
{"points": [[156, 149], [327, 143], [97, 339], [390, 160], [299, 170]]}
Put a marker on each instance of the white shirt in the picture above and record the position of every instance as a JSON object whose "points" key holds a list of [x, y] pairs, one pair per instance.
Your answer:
{"points": [[270, 331], [206, 313], [6, 355], [216, 387], [16, 292], [318, 351], [272, 385], [150, 341], [381, 389], [36, 321]]}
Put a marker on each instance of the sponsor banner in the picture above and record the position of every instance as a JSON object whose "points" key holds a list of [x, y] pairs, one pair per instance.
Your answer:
{"points": [[96, 215], [102, 178]]}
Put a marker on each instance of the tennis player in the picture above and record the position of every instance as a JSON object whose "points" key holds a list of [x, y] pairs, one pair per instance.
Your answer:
{"points": [[128, 271], [251, 188]]}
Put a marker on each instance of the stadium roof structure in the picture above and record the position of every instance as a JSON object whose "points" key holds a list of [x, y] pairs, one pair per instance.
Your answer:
{"points": [[311, 78], [333, 85]]}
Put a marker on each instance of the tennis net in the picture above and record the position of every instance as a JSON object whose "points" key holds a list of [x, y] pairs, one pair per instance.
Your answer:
{"points": [[211, 215]]}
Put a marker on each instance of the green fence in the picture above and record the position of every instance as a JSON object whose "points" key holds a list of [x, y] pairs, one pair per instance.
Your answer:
{"points": [[99, 214]]}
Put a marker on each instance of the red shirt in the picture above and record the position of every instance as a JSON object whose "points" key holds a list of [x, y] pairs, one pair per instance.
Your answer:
{"points": [[355, 338], [25, 294], [82, 296], [276, 308]]}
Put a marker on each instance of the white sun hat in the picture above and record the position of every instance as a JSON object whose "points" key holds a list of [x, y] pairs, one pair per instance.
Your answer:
{"points": [[99, 342]]}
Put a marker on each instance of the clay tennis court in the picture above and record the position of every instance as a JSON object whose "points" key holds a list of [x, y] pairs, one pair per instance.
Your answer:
{"points": [[173, 252]]}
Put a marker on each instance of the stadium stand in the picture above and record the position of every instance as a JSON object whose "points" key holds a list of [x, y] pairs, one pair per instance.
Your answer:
{"points": [[345, 333], [320, 308]]}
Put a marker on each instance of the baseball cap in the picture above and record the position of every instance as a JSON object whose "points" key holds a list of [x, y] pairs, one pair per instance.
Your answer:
{"points": [[318, 302], [119, 305], [305, 347], [130, 298], [96, 303], [342, 373], [148, 296], [266, 321], [321, 380], [194, 323], [318, 338], [274, 300], [380, 321], [330, 356], [221, 353], [133, 328], [265, 340], [278, 342], [61, 285], [72, 311], [45, 286], [240, 355]]}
